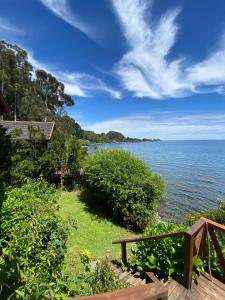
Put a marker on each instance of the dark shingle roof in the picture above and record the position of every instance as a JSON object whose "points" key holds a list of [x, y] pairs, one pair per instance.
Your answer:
{"points": [[4, 108], [46, 127]]}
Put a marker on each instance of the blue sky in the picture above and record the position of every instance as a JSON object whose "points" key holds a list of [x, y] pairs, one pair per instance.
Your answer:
{"points": [[146, 68]]}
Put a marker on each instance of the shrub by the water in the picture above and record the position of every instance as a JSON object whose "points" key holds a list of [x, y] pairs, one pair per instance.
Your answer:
{"points": [[32, 243], [124, 185], [217, 215], [164, 257]]}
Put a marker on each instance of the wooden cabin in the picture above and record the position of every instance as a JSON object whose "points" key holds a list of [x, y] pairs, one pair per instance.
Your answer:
{"points": [[23, 128]]}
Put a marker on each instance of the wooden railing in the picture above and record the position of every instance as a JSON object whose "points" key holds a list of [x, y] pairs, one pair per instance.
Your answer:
{"points": [[194, 245], [153, 290]]}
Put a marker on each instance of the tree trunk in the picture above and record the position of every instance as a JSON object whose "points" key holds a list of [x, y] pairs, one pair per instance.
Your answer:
{"points": [[61, 181]]}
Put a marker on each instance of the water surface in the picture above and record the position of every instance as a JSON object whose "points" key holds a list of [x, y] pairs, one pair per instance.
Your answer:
{"points": [[194, 172]]}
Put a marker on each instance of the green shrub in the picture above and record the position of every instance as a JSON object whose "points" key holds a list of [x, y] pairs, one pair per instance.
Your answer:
{"points": [[32, 243], [217, 215], [124, 185], [98, 277], [164, 257]]}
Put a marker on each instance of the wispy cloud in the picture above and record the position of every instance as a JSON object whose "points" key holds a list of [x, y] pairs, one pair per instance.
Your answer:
{"points": [[88, 84], [6, 28], [62, 10], [146, 71], [165, 126], [77, 84]]}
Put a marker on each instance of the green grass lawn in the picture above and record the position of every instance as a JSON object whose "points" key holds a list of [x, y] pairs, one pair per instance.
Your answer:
{"points": [[93, 233]]}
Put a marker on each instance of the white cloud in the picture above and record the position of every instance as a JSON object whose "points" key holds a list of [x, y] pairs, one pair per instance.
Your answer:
{"points": [[7, 28], [145, 69], [77, 84], [165, 126], [88, 84], [62, 10]]}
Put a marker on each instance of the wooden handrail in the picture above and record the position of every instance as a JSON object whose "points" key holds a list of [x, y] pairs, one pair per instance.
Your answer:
{"points": [[196, 227], [149, 238], [194, 244], [215, 225]]}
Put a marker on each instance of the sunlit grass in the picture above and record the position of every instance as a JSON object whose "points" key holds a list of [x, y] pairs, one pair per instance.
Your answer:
{"points": [[93, 233]]}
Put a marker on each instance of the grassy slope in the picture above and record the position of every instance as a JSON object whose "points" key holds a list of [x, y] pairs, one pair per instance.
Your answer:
{"points": [[93, 233]]}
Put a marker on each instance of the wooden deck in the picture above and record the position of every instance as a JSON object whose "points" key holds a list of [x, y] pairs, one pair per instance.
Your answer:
{"points": [[203, 289]]}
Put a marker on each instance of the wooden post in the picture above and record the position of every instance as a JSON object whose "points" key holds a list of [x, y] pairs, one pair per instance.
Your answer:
{"points": [[188, 257], [218, 250], [124, 253]]}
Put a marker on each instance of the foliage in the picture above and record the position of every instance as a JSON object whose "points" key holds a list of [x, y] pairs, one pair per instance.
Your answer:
{"points": [[124, 186], [32, 158], [26, 155], [32, 243], [64, 157], [164, 257], [5, 156], [97, 278], [217, 215], [114, 135], [110, 137], [38, 97]]}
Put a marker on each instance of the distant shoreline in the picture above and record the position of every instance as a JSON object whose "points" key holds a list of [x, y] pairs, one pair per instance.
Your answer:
{"points": [[123, 142]]}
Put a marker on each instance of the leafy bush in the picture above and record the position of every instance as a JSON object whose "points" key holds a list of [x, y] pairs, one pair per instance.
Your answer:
{"points": [[124, 185], [97, 278], [164, 257], [32, 243], [217, 215]]}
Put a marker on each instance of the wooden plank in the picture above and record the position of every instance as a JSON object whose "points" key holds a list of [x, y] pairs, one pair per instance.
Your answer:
{"points": [[195, 293], [215, 281], [150, 277], [217, 248], [202, 249], [198, 242], [150, 291], [124, 253], [210, 288], [177, 292], [196, 227], [171, 286], [149, 238], [188, 258], [214, 224]]}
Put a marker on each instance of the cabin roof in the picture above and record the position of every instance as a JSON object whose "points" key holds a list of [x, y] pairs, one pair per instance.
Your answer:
{"points": [[46, 127], [4, 108]]}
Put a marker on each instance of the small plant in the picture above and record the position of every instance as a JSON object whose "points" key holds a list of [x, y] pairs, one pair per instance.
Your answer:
{"points": [[86, 257], [97, 277], [124, 186], [164, 257]]}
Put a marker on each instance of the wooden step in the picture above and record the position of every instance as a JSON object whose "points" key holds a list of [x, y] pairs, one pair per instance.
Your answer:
{"points": [[132, 279]]}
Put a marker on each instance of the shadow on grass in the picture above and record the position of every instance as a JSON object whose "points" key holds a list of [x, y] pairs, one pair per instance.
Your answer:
{"points": [[96, 207]]}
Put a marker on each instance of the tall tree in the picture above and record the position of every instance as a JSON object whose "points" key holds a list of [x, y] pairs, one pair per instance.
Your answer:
{"points": [[38, 96], [51, 92]]}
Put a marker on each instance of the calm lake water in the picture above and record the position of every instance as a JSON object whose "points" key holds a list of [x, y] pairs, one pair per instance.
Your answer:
{"points": [[194, 172]]}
